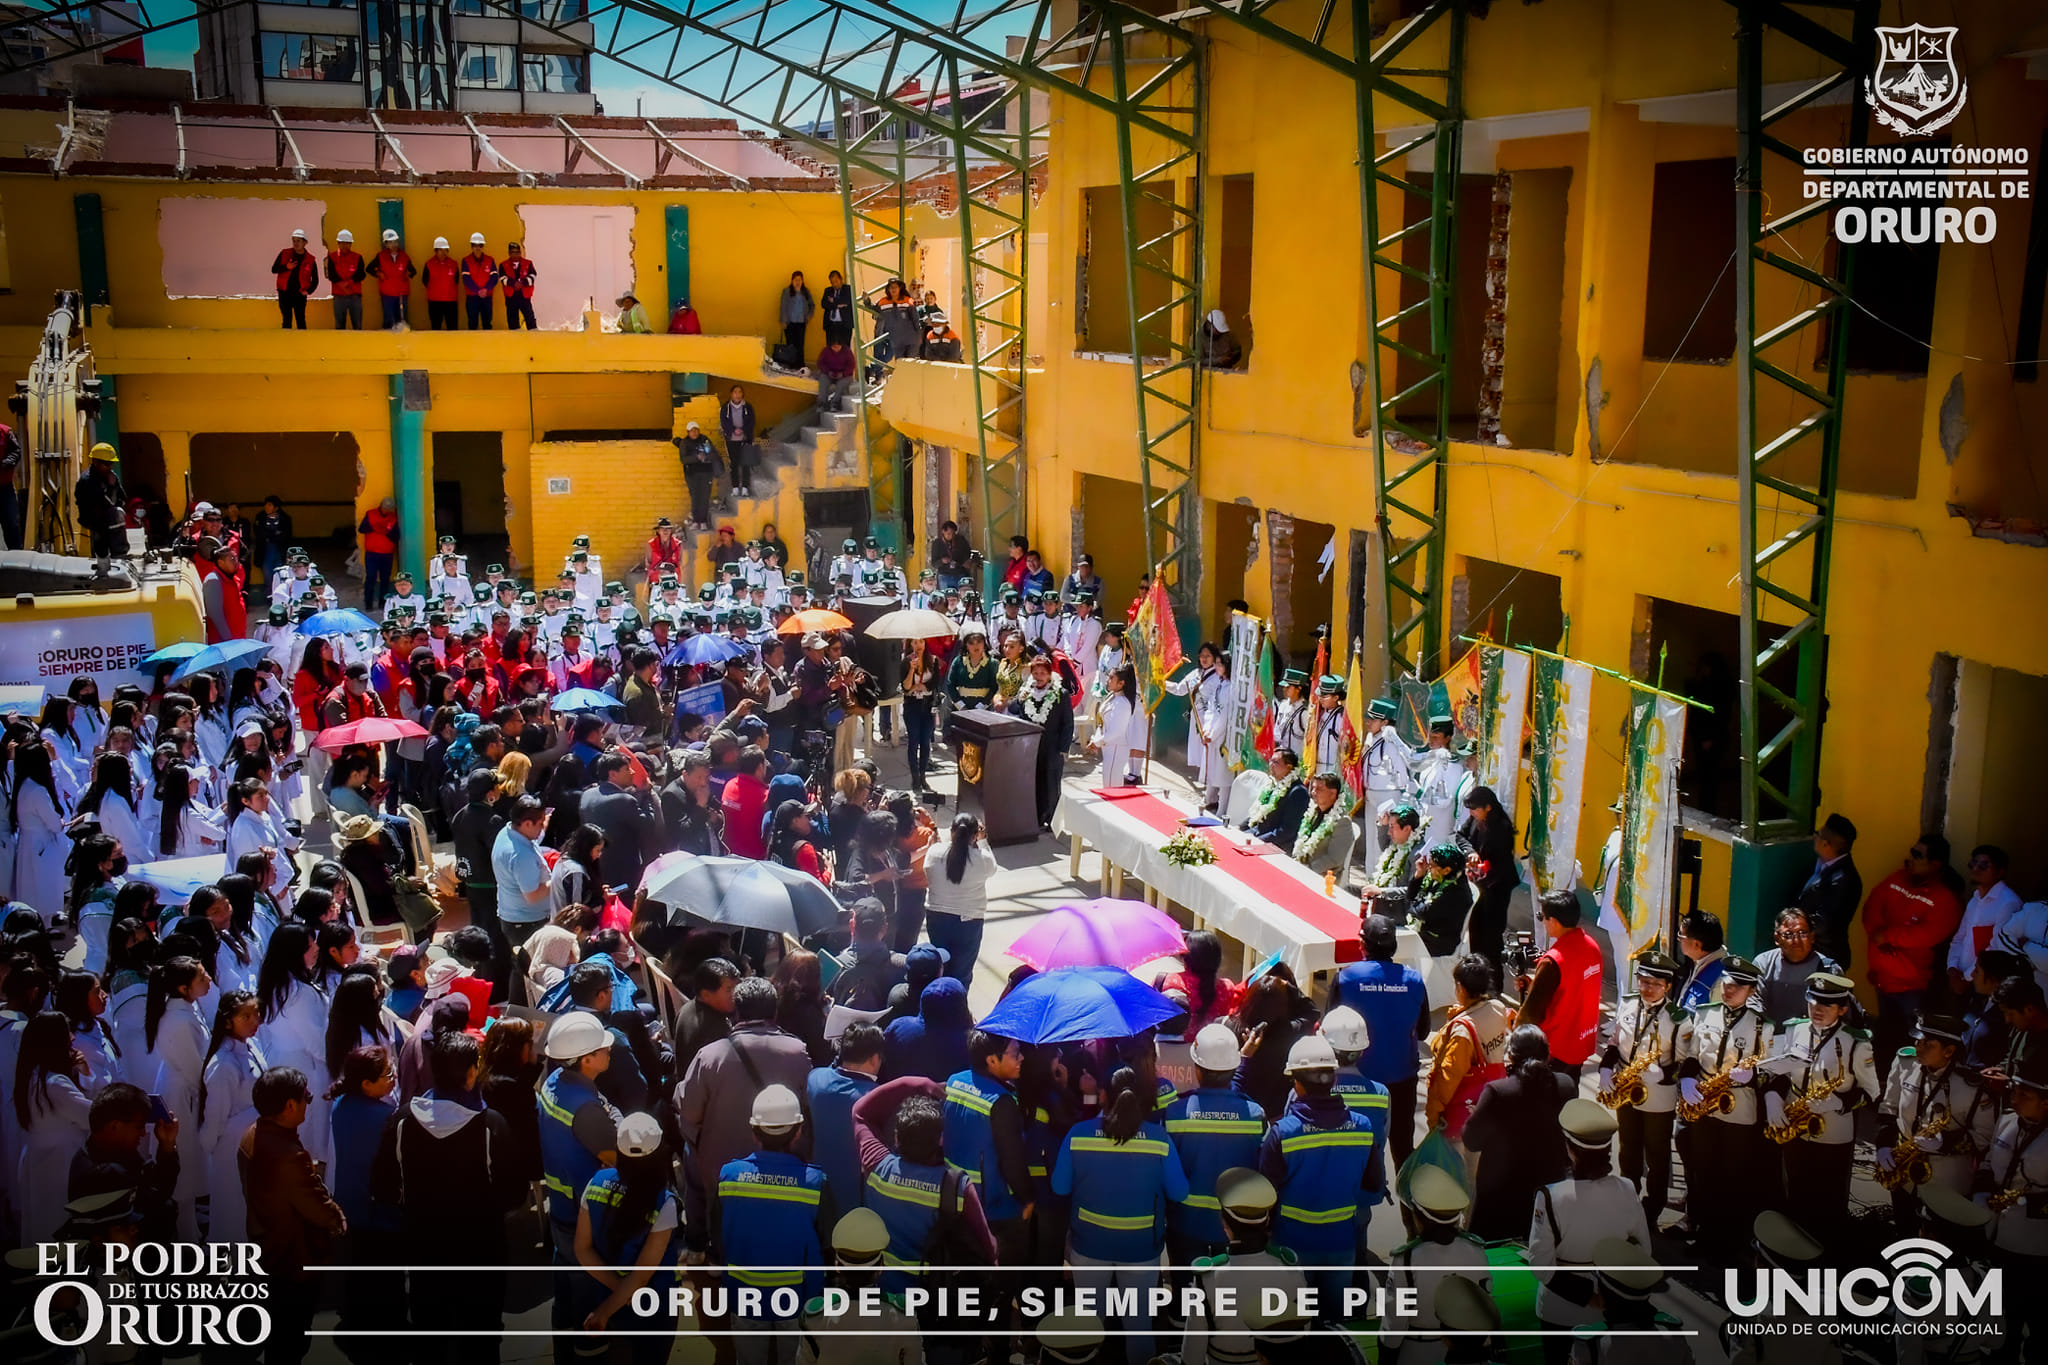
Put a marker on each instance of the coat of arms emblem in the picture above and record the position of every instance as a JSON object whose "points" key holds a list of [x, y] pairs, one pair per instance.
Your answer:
{"points": [[1916, 88]]}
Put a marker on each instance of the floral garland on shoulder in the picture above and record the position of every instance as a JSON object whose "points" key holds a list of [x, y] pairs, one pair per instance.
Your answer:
{"points": [[1038, 708], [1268, 801], [1316, 828]]}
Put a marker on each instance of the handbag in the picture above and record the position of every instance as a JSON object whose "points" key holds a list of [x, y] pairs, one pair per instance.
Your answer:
{"points": [[417, 908]]}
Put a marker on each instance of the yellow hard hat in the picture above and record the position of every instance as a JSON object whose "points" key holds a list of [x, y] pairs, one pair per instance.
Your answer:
{"points": [[102, 451]]}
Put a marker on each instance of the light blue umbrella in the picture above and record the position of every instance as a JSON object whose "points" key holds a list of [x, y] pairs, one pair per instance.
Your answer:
{"points": [[586, 699], [224, 656], [340, 621], [171, 654]]}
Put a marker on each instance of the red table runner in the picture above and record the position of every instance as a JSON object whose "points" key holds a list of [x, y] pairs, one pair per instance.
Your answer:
{"points": [[1328, 917]]}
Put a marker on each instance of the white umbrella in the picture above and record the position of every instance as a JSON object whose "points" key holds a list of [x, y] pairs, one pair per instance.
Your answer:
{"points": [[911, 623]]}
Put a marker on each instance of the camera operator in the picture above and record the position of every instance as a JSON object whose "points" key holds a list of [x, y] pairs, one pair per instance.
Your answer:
{"points": [[1562, 995]]}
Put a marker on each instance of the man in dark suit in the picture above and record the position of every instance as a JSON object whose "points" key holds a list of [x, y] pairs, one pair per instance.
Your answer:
{"points": [[1834, 889], [1277, 818], [629, 818]]}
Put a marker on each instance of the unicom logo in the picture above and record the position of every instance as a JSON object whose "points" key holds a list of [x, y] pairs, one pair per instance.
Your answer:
{"points": [[1916, 1281]]}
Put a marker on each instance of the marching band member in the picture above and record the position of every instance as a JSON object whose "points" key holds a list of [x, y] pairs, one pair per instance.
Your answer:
{"points": [[1207, 688], [1723, 1149], [1438, 776], [1079, 637], [1291, 711], [1824, 1066], [1575, 1215], [1650, 1034], [2013, 1184], [1931, 1101], [1387, 763]]}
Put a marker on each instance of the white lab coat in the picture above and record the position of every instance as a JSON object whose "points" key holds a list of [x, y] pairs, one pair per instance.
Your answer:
{"points": [[180, 1055], [229, 974], [57, 1129], [94, 919], [125, 1016], [230, 1108], [71, 766], [296, 1036], [39, 852], [120, 819], [1208, 694], [1124, 727], [200, 830], [98, 1052], [251, 833], [11, 1024]]}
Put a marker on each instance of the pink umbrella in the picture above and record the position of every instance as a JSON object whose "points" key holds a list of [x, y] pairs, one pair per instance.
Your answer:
{"points": [[369, 730], [1099, 933]]}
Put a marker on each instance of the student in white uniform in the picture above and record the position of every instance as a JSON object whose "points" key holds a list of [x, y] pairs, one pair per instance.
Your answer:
{"points": [[70, 754], [1387, 765], [86, 716], [1438, 774], [52, 1090], [175, 1036], [256, 828], [111, 798], [1207, 688], [1574, 1216], [294, 1023], [188, 824], [83, 1001], [226, 1109], [41, 845], [1123, 730]]}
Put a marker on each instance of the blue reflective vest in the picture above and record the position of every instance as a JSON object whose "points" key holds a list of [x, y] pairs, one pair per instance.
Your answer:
{"points": [[1121, 1191], [971, 1143], [1213, 1129], [1042, 1138], [768, 1206], [601, 1197], [1363, 1096], [906, 1196], [1389, 997], [566, 1164], [1322, 1183], [829, 1094]]}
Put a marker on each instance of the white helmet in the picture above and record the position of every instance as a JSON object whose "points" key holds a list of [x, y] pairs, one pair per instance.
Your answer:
{"points": [[639, 1135], [440, 244], [573, 1036], [299, 234], [776, 1110], [1216, 1049], [344, 236], [1312, 1053], [1345, 1028], [390, 234], [476, 239]]}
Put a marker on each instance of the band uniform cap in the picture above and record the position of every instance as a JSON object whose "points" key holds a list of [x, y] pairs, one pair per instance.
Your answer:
{"points": [[1625, 1268], [1345, 1028], [574, 1036], [849, 544], [1330, 683], [1957, 1210], [1615, 806], [1587, 1123], [1216, 1049], [1657, 965], [1829, 987], [1294, 677], [1462, 1305], [1465, 748], [1011, 595], [1435, 1191], [639, 1135], [871, 544], [1382, 708], [1248, 1196], [1782, 1241], [1437, 718], [1069, 1338], [103, 1210], [776, 1109], [1741, 969], [1948, 1028], [860, 1237], [1312, 1053]]}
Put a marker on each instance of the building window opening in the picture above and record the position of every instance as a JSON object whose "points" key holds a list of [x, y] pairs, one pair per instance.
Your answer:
{"points": [[1472, 218], [1503, 602], [1105, 312], [311, 57], [487, 66], [1529, 331], [1230, 346], [549, 73], [1689, 307]]}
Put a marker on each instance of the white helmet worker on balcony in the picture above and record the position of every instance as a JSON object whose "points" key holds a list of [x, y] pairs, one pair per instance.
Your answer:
{"points": [[476, 239], [440, 244], [390, 234], [344, 236]]}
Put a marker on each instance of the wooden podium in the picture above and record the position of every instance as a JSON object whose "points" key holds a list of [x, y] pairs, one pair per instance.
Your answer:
{"points": [[999, 764]]}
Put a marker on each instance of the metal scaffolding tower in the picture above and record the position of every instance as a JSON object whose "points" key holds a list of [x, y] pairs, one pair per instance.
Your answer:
{"points": [[1780, 786]]}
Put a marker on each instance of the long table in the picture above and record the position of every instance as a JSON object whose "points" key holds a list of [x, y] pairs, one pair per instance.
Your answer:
{"points": [[1253, 892]]}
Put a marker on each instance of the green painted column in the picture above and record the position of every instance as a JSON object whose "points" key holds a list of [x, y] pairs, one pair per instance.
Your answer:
{"points": [[92, 253], [108, 425], [409, 470], [676, 219]]}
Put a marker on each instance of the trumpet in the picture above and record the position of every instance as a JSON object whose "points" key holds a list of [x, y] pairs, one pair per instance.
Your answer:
{"points": [[1911, 1167], [1717, 1092], [1800, 1120], [1628, 1087]]}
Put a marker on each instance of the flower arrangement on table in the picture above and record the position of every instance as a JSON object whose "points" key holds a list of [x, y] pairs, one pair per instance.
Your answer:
{"points": [[1188, 849]]}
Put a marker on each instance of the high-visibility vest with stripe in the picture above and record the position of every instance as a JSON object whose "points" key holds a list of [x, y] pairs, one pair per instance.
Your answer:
{"points": [[566, 1164], [906, 1196], [1213, 1129], [1362, 1096], [1324, 1187], [602, 1197], [971, 1143], [768, 1206], [1120, 1192]]}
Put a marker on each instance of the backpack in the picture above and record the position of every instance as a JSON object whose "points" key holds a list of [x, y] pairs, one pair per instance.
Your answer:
{"points": [[955, 1261]]}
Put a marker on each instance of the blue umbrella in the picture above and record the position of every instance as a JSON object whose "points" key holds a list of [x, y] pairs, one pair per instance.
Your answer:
{"points": [[705, 649], [587, 699], [1077, 1003], [224, 656], [171, 654], [340, 621]]}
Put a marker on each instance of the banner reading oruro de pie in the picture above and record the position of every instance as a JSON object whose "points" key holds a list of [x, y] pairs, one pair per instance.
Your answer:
{"points": [[1561, 717], [108, 649], [1649, 817]]}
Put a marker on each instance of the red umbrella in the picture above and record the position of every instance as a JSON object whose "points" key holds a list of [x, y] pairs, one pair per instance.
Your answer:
{"points": [[817, 618], [369, 730]]}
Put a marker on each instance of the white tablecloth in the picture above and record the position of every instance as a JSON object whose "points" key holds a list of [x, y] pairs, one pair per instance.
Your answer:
{"points": [[1218, 900]]}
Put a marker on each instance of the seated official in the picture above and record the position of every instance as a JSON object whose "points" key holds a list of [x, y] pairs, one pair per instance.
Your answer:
{"points": [[1276, 812]]}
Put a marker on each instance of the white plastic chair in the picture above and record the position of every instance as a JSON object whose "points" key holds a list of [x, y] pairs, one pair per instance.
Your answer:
{"points": [[1244, 789], [378, 940]]}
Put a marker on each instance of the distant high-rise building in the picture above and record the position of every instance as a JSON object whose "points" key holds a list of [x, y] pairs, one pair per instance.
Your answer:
{"points": [[464, 55]]}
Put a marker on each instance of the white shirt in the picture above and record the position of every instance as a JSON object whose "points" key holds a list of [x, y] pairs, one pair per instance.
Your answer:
{"points": [[966, 898], [1987, 910], [1587, 1212], [2026, 932]]}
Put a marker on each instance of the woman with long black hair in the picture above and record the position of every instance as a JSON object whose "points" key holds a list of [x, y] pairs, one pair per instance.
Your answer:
{"points": [[87, 718], [132, 952], [1488, 839], [575, 880], [209, 718], [226, 1109], [51, 1106], [956, 899], [235, 957], [175, 1036], [111, 799], [335, 952], [356, 1017], [1122, 729], [243, 931], [242, 699], [791, 841], [294, 1031], [70, 751], [38, 810], [189, 826], [95, 866], [80, 998], [1211, 995]]}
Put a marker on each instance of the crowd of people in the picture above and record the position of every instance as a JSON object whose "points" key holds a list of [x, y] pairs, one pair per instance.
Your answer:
{"points": [[370, 1057]]}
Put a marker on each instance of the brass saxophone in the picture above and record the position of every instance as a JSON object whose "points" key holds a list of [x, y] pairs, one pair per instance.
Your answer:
{"points": [[1911, 1167], [1800, 1120], [2006, 1198], [1717, 1092], [1628, 1087]]}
